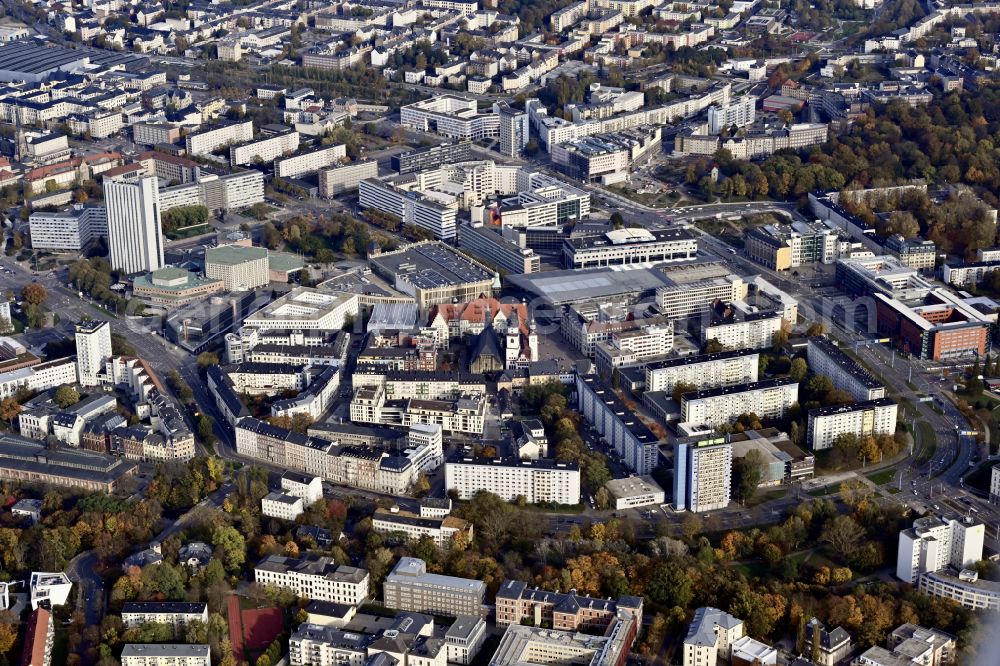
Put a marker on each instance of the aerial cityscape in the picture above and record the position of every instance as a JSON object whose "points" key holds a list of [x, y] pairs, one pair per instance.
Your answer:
{"points": [[499, 333]]}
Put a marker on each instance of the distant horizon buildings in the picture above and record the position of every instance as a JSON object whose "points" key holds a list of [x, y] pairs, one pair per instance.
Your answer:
{"points": [[135, 237]]}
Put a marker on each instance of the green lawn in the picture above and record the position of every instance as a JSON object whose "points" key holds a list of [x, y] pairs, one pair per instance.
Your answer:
{"points": [[882, 477], [769, 496], [824, 491]]}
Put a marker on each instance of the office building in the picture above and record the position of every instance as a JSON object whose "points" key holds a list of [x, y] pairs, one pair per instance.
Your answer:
{"points": [[710, 637], [739, 366], [826, 358], [717, 406], [451, 116], [435, 214], [93, 349], [586, 324], [783, 247], [631, 348], [514, 128], [538, 481], [409, 587], [443, 530], [175, 613], [691, 289], [547, 647], [135, 237], [941, 326], [624, 247], [703, 469], [741, 112], [518, 603], [230, 191], [964, 587], [170, 286], [30, 461], [345, 178], [881, 274], [210, 140], [420, 159], [617, 424], [305, 309], [75, 230], [635, 491], [38, 639], [869, 418], [739, 325], [240, 267], [165, 654], [314, 577], [497, 246], [434, 273], [935, 543], [606, 157], [48, 589], [282, 506]]}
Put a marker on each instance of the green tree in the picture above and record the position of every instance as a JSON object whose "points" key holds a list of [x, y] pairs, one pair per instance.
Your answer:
{"points": [[66, 396], [670, 584], [748, 471], [206, 359], [798, 370], [233, 546]]}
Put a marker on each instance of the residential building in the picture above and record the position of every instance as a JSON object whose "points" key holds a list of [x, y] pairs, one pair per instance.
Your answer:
{"points": [[314, 577], [935, 542], [412, 207], [748, 651], [549, 647], [165, 654], [702, 473], [175, 613], [444, 530], [538, 481], [739, 366], [830, 647], [464, 639], [309, 488], [74, 230], [48, 589], [420, 159], [409, 587], [635, 491], [739, 325], [314, 644], [741, 112], [964, 587], [631, 348], [587, 324], [240, 267], [617, 424], [152, 134], [28, 508], [518, 603], [714, 407], [710, 637], [960, 274], [280, 505], [305, 309], [826, 358], [309, 162], [38, 639], [623, 247], [869, 418], [210, 140], [264, 150], [995, 485], [93, 349], [231, 191], [135, 236], [935, 647]]}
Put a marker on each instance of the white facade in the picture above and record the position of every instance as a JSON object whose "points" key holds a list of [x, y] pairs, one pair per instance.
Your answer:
{"points": [[711, 636], [218, 137], [618, 425], [280, 505], [714, 407], [875, 417], [175, 613], [50, 588], [315, 578], [93, 349], [165, 654], [311, 162], [704, 371], [537, 481], [309, 488], [70, 231], [825, 358], [264, 150], [135, 236], [452, 116], [703, 473], [995, 485], [434, 215], [934, 543], [339, 179], [752, 332], [740, 113]]}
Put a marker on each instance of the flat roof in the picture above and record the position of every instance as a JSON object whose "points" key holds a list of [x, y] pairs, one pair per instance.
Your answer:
{"points": [[633, 486], [233, 255], [431, 265]]}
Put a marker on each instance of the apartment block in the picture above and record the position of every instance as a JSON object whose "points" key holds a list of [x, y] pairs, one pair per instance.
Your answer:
{"points": [[538, 481], [345, 178], [314, 577], [630, 348], [208, 141], [518, 603], [411, 207], [165, 654], [703, 469], [264, 150], [862, 419], [312, 161], [714, 407], [740, 366], [741, 326], [175, 613], [409, 587], [740, 112], [826, 358], [935, 542], [782, 247], [443, 530], [617, 424]]}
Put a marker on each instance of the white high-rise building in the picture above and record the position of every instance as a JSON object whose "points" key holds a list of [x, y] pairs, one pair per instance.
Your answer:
{"points": [[93, 349], [703, 470], [134, 233], [740, 113], [934, 543]]}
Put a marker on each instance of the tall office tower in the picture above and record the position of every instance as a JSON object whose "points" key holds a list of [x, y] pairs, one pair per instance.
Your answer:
{"points": [[514, 129], [703, 468], [134, 233], [93, 348]]}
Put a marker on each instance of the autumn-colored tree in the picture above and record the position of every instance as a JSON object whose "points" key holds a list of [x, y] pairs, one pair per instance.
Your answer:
{"points": [[34, 294], [9, 409]]}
